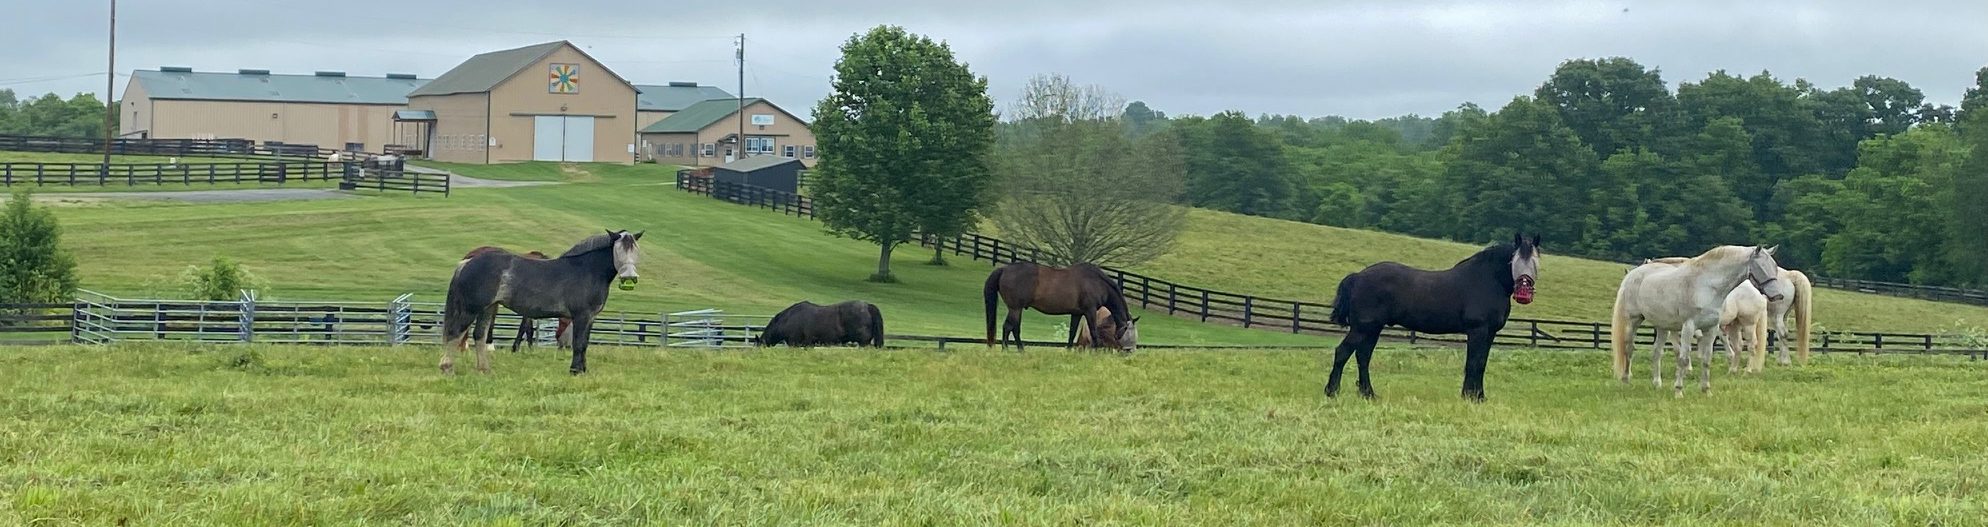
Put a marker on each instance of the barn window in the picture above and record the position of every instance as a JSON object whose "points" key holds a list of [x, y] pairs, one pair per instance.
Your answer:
{"points": [[710, 150], [808, 151], [787, 150]]}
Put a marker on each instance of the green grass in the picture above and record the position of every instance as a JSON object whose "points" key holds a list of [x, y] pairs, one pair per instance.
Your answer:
{"points": [[240, 435], [1298, 261]]}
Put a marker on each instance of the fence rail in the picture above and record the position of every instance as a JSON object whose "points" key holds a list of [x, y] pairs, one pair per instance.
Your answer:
{"points": [[235, 148], [93, 174], [1300, 317]]}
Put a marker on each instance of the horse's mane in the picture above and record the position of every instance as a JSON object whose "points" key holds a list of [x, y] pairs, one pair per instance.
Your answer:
{"points": [[591, 244], [1720, 253], [1497, 254]]}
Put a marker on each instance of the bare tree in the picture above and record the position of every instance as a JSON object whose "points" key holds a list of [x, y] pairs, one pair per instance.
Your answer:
{"points": [[1073, 185]]}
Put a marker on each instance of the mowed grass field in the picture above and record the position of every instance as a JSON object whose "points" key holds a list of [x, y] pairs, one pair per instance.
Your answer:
{"points": [[256, 435], [703, 253]]}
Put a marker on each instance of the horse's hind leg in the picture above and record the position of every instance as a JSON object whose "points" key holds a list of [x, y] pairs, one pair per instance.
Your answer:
{"points": [[1781, 338], [1347, 347], [1012, 326], [456, 333], [1705, 377], [1732, 337], [1657, 357], [1477, 355], [1072, 341], [1365, 353], [486, 329], [1684, 339]]}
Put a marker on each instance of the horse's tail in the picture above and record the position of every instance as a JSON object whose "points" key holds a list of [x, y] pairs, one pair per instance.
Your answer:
{"points": [[1341, 300], [876, 326], [1621, 336], [1803, 294], [991, 293]]}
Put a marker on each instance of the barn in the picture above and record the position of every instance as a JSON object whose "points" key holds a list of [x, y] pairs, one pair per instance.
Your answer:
{"points": [[662, 100], [544, 102], [774, 172], [328, 108], [706, 133]]}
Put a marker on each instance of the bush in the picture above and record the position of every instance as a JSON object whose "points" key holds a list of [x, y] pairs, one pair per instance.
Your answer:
{"points": [[33, 266], [222, 281]]}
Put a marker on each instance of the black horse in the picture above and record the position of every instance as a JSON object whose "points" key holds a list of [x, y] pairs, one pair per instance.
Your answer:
{"points": [[574, 286], [1472, 298], [1077, 291], [807, 324]]}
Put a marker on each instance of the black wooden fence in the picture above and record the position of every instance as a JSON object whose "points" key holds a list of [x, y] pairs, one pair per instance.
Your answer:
{"points": [[1249, 311], [234, 148], [93, 174]]}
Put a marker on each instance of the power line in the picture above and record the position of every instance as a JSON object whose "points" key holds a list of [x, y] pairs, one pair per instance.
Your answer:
{"points": [[33, 80]]}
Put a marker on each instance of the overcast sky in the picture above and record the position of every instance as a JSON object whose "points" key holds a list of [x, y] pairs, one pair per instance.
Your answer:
{"points": [[1363, 59]]}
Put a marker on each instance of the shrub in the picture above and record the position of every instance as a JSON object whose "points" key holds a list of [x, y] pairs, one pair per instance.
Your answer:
{"points": [[33, 266], [223, 280]]}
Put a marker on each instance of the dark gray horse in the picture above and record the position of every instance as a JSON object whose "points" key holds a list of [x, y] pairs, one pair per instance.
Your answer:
{"points": [[807, 324], [572, 286]]}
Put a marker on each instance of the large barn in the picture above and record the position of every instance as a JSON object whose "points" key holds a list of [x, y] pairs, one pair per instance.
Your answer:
{"points": [[545, 102], [329, 109]]}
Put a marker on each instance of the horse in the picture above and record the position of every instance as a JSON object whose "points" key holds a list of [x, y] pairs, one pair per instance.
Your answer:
{"points": [[1742, 322], [807, 324], [1077, 291], [527, 332], [574, 285], [1125, 341], [1683, 299], [1473, 298], [1791, 291]]}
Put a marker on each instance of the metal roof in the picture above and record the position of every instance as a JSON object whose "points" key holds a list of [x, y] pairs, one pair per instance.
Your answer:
{"points": [[484, 72], [675, 96], [697, 116], [751, 163], [413, 115], [258, 85]]}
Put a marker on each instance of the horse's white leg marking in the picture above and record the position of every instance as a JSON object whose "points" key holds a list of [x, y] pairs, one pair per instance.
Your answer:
{"points": [[448, 364], [1731, 334], [1781, 334], [1705, 377], [1657, 357], [1684, 354]]}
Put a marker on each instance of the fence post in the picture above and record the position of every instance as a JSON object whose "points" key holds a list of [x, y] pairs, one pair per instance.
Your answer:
{"points": [[1171, 294], [1249, 304], [247, 319], [1534, 336], [1594, 339], [1204, 305], [1295, 317]]}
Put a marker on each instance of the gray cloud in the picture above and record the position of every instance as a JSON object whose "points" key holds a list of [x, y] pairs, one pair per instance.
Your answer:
{"points": [[1356, 58]]}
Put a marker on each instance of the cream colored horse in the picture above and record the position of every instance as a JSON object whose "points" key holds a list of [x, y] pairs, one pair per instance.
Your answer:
{"points": [[1683, 299], [1742, 322], [1791, 292]]}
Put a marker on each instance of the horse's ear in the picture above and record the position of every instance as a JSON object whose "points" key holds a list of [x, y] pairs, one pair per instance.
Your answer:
{"points": [[1535, 240], [610, 234], [1770, 249], [638, 235], [1518, 239]]}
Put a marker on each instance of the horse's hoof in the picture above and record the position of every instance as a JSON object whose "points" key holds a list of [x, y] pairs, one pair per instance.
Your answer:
{"points": [[1331, 392], [1678, 394], [448, 369], [576, 371]]}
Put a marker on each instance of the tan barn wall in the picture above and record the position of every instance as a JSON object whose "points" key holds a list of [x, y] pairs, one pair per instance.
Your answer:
{"points": [[135, 115], [659, 150], [325, 125], [518, 99], [644, 118], [785, 130], [460, 120]]}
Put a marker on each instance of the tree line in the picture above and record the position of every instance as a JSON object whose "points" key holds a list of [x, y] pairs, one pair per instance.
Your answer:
{"points": [[79, 116], [1606, 161]]}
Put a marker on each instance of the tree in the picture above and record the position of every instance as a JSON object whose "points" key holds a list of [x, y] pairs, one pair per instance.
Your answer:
{"points": [[1612, 104], [1893, 104], [1975, 100], [1894, 207], [34, 268], [1075, 186], [1235, 166], [1141, 121], [904, 137], [1522, 170], [1967, 245]]}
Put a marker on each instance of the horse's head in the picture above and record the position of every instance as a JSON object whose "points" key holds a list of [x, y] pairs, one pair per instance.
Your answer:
{"points": [[1128, 335], [1761, 268], [1525, 266], [625, 257]]}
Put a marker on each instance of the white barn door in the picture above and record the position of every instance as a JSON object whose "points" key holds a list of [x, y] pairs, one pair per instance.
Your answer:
{"points": [[548, 138], [579, 144]]}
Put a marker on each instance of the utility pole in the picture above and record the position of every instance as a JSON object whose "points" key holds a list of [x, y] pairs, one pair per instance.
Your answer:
{"points": [[110, 84], [742, 98]]}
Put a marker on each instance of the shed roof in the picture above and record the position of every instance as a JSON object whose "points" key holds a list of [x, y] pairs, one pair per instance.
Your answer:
{"points": [[260, 85], [697, 116], [485, 71], [752, 163], [675, 96]]}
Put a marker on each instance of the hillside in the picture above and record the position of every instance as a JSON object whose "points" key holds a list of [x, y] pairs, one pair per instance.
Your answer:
{"points": [[704, 253]]}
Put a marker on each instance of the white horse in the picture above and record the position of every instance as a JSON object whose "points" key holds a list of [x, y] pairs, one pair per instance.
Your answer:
{"points": [[1790, 292], [1742, 322], [1683, 299]]}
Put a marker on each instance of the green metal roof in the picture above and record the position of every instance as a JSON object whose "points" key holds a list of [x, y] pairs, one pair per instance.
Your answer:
{"points": [[675, 96], [751, 163], [698, 116], [483, 72], [414, 115], [178, 83]]}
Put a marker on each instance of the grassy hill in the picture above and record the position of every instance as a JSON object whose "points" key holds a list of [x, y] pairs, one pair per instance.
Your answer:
{"points": [[703, 253]]}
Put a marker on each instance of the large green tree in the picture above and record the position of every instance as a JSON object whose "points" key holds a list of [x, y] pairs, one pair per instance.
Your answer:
{"points": [[1613, 104], [1521, 170], [905, 135], [1894, 207], [34, 268], [1234, 165]]}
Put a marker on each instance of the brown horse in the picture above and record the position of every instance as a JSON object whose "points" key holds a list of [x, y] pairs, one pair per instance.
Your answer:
{"points": [[1125, 341], [527, 332], [1078, 291]]}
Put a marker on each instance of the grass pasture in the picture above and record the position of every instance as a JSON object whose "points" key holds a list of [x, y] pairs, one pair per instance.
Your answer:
{"points": [[335, 436]]}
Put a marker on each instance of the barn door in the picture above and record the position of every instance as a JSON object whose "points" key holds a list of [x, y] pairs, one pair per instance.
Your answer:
{"points": [[579, 143], [548, 138]]}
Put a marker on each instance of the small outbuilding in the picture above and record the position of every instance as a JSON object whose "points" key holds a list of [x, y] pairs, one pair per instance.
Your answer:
{"points": [[773, 172]]}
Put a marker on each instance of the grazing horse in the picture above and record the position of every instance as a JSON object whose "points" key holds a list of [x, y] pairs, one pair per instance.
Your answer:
{"points": [[574, 285], [807, 324], [1077, 291], [527, 332], [1125, 341], [1474, 298], [1791, 291], [1683, 299]]}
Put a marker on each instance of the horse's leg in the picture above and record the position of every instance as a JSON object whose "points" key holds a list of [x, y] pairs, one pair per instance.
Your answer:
{"points": [[1657, 357], [1629, 349], [1013, 326], [1731, 333], [1090, 320], [1365, 353], [1074, 320], [580, 332], [1781, 335], [1705, 377], [1684, 338], [486, 331], [1477, 352], [524, 334], [1339, 355], [1758, 345]]}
